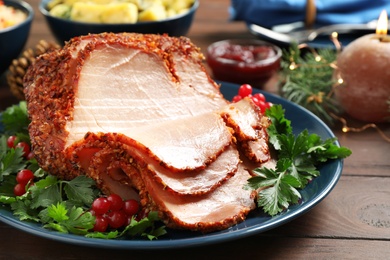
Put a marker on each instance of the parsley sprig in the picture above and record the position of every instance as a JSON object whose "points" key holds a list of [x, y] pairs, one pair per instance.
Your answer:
{"points": [[63, 206], [298, 158], [57, 204], [11, 160]]}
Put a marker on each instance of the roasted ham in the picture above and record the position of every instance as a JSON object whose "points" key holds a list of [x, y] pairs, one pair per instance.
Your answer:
{"points": [[140, 115]]}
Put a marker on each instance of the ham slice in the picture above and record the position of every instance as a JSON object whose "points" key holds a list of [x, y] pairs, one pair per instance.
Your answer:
{"points": [[190, 144], [197, 182], [224, 207], [249, 129], [140, 115]]}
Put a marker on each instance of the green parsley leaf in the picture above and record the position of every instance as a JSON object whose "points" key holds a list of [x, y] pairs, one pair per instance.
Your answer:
{"points": [[75, 220], [44, 216], [291, 146], [107, 235], [79, 221], [45, 192], [80, 190], [7, 186], [145, 227], [7, 199], [3, 146], [321, 151], [57, 212], [57, 227], [279, 125], [15, 119], [11, 161], [23, 210], [277, 187], [271, 200]]}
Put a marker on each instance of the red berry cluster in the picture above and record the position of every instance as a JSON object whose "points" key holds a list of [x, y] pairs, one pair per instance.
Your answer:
{"points": [[246, 90], [113, 212], [24, 179], [12, 142]]}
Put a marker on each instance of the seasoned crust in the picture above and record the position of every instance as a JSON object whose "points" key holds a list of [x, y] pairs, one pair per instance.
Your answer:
{"points": [[50, 95]]}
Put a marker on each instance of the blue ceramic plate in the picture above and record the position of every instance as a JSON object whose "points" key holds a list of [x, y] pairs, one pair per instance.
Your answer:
{"points": [[256, 222]]}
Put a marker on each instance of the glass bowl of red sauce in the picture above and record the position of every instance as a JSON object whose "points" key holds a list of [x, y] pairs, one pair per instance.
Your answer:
{"points": [[244, 61]]}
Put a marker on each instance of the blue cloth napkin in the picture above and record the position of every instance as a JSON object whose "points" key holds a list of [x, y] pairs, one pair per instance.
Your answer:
{"points": [[268, 13]]}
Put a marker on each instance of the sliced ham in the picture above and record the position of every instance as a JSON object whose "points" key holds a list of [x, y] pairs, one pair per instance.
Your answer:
{"points": [[140, 115], [249, 129], [198, 182], [244, 117], [226, 206], [109, 161], [190, 143]]}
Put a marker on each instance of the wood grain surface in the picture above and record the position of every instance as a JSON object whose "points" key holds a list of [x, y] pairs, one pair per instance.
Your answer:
{"points": [[353, 222]]}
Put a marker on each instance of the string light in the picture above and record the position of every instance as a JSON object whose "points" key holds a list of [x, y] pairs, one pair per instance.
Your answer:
{"points": [[340, 81], [334, 37], [293, 66], [346, 129], [318, 98]]}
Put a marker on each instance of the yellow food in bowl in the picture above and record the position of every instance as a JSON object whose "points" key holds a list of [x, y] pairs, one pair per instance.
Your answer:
{"points": [[118, 11], [10, 16], [110, 13]]}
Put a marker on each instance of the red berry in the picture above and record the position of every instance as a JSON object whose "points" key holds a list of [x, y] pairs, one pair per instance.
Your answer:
{"points": [[20, 189], [101, 206], [236, 98], [24, 176], [116, 202], [101, 224], [116, 219], [259, 96], [131, 207], [30, 156], [255, 100], [25, 146], [11, 141], [264, 105], [245, 90]]}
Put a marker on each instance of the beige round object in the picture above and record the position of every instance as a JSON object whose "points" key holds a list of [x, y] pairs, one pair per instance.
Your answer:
{"points": [[364, 67]]}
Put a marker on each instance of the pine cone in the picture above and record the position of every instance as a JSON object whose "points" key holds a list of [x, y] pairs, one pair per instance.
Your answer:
{"points": [[19, 66]]}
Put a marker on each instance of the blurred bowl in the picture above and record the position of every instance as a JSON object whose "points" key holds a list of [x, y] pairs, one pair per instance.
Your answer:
{"points": [[244, 61], [64, 29], [13, 38]]}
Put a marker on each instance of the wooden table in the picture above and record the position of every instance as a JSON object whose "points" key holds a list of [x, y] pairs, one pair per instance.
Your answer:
{"points": [[353, 222]]}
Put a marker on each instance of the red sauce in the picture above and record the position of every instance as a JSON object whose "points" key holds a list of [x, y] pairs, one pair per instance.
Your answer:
{"points": [[243, 61]]}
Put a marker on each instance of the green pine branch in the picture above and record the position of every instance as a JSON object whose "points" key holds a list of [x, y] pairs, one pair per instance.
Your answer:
{"points": [[307, 80]]}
